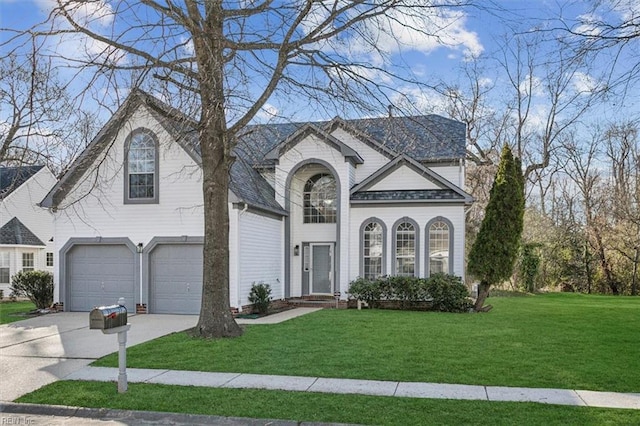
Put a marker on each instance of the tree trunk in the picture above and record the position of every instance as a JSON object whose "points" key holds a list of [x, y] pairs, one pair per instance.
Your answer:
{"points": [[483, 293], [634, 279], [215, 319]]}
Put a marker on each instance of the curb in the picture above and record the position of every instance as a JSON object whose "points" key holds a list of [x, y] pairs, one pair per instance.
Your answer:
{"points": [[137, 417]]}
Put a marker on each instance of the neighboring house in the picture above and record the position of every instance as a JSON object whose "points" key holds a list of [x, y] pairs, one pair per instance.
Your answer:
{"points": [[312, 207], [26, 229]]}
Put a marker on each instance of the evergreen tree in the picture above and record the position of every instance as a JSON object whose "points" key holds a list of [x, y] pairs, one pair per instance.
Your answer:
{"points": [[494, 252]]}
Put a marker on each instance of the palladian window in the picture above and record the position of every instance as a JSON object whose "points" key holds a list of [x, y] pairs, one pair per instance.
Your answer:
{"points": [[320, 201]]}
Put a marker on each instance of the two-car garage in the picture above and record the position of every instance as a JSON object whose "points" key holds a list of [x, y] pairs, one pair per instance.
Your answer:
{"points": [[98, 271]]}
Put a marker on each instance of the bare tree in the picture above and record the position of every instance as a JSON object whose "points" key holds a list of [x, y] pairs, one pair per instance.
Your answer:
{"points": [[227, 59], [41, 125]]}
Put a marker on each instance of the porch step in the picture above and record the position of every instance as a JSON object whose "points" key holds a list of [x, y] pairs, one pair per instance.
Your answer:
{"points": [[317, 302]]}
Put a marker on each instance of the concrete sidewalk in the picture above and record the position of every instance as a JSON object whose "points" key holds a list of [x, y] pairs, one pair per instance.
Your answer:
{"points": [[365, 387]]}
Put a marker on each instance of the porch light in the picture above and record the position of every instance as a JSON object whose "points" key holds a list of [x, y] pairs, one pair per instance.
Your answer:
{"points": [[296, 250]]}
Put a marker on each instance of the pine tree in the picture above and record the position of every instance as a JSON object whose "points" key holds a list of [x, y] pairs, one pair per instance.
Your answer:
{"points": [[494, 252]]}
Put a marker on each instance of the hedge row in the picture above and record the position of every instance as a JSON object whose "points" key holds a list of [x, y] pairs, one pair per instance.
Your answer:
{"points": [[446, 293]]}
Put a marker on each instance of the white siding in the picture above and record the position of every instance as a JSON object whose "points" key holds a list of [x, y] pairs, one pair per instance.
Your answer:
{"points": [[23, 204], [422, 215], [308, 149], [95, 207], [403, 178], [454, 174], [15, 261], [373, 160], [260, 255]]}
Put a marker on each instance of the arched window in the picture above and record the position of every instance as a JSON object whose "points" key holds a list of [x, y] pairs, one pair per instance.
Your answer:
{"points": [[405, 248], [439, 246], [372, 249], [320, 202], [141, 168]]}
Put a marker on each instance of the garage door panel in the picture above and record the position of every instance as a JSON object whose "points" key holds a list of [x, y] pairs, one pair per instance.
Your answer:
{"points": [[176, 278], [99, 275]]}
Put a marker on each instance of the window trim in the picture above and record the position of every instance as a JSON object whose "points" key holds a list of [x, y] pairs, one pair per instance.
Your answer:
{"points": [[7, 255], [427, 248], [314, 179], [156, 180], [384, 244], [416, 269], [33, 261]]}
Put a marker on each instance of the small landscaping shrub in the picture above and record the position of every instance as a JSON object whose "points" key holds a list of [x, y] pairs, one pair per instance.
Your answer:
{"points": [[443, 292], [366, 290], [260, 297], [448, 293], [37, 286]]}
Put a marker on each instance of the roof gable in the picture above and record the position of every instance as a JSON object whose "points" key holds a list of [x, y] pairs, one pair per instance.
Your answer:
{"points": [[307, 130], [245, 183], [11, 178], [15, 232], [367, 186]]}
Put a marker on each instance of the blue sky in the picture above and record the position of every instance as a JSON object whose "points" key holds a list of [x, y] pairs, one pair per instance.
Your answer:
{"points": [[463, 32]]}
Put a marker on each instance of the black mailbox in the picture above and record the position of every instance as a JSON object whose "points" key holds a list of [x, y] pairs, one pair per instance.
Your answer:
{"points": [[106, 317]]}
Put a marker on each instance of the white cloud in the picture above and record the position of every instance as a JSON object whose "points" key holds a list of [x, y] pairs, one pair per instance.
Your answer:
{"points": [[531, 86], [187, 46], [267, 112], [403, 28], [589, 25], [584, 83]]}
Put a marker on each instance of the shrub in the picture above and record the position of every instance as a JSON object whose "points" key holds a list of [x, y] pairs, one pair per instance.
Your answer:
{"points": [[260, 297], [446, 292], [365, 290], [37, 286]]}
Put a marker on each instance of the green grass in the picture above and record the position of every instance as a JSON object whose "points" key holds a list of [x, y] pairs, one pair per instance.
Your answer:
{"points": [[316, 407], [556, 340], [14, 311]]}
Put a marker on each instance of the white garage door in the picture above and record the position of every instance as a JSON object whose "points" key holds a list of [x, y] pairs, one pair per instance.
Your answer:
{"points": [[175, 285], [99, 275]]}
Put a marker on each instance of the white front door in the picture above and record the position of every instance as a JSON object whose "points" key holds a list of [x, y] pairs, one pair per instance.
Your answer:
{"points": [[321, 268]]}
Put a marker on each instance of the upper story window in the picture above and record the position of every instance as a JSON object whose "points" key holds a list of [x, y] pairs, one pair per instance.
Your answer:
{"points": [[320, 201], [141, 168], [405, 247], [439, 244]]}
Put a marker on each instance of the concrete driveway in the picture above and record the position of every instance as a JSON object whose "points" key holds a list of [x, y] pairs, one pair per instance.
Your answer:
{"points": [[42, 350]]}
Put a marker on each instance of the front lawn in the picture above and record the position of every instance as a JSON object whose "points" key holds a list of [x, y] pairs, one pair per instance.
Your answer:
{"points": [[15, 311], [318, 407], [557, 340]]}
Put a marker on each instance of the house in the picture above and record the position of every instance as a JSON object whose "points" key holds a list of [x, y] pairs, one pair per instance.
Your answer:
{"points": [[25, 228], [312, 206]]}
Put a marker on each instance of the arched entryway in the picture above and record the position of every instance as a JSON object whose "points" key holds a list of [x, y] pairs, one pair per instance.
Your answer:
{"points": [[312, 229]]}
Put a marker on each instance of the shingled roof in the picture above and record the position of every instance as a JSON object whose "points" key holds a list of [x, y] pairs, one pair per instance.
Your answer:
{"points": [[15, 232], [12, 177], [423, 138]]}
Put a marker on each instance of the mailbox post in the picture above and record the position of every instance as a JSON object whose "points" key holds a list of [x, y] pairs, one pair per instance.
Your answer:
{"points": [[111, 320]]}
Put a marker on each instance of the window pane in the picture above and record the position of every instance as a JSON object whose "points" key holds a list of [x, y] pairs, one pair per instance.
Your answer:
{"points": [[405, 249], [49, 259], [27, 262], [141, 166], [372, 250], [320, 200], [439, 248]]}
